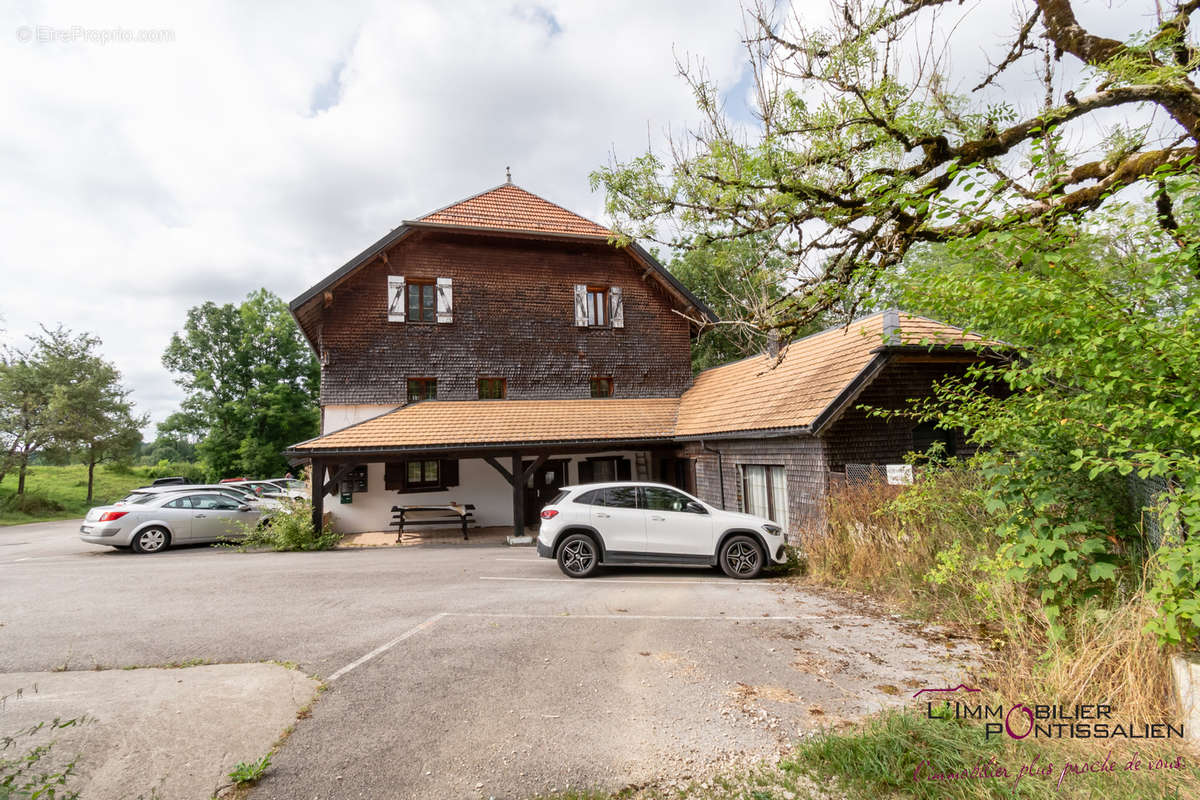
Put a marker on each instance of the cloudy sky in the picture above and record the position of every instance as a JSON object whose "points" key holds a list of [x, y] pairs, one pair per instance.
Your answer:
{"points": [[263, 144]]}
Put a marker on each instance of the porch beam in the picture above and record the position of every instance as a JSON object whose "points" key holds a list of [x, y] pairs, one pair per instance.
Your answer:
{"points": [[537, 462], [499, 468], [342, 471], [317, 477], [518, 487]]}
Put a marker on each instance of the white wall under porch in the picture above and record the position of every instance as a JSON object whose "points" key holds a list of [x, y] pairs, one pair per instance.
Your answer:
{"points": [[479, 485]]}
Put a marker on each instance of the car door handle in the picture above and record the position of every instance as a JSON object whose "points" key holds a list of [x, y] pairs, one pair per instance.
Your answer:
{"points": [[603, 515], [657, 518], [200, 516]]}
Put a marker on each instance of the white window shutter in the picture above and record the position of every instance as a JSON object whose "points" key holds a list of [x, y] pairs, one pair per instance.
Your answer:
{"points": [[445, 300], [616, 307], [581, 311], [396, 305]]}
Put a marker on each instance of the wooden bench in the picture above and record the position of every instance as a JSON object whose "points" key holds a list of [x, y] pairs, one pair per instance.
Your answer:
{"points": [[452, 515]]}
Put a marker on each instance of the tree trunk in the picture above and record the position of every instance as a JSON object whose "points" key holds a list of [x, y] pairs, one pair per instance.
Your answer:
{"points": [[91, 471], [21, 478]]}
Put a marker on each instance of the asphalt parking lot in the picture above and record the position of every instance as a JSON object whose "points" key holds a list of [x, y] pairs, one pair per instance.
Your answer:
{"points": [[472, 671]]}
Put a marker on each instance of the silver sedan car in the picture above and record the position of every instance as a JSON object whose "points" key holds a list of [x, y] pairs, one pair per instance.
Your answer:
{"points": [[154, 522]]}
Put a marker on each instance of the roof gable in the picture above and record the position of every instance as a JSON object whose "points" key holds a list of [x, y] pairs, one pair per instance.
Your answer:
{"points": [[511, 208]]}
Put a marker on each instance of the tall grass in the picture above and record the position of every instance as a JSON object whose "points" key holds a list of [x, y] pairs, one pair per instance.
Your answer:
{"points": [[930, 549]]}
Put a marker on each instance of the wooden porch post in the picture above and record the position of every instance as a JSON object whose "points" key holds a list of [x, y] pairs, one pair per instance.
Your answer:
{"points": [[318, 492], [518, 484]]}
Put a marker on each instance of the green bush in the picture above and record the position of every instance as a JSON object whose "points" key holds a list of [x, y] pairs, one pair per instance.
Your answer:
{"points": [[32, 504], [290, 528], [169, 469]]}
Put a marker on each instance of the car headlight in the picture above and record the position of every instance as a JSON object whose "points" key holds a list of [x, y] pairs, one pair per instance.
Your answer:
{"points": [[772, 529]]}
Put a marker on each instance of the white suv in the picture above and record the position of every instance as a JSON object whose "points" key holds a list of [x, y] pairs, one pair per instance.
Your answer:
{"points": [[651, 523]]}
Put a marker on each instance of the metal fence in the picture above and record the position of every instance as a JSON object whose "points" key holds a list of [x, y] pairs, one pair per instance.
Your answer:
{"points": [[1149, 496], [864, 474]]}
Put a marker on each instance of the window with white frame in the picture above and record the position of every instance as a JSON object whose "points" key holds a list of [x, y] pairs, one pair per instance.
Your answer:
{"points": [[764, 492]]}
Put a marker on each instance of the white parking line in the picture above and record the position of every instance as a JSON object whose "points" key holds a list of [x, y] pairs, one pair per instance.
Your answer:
{"points": [[383, 648], [738, 585]]}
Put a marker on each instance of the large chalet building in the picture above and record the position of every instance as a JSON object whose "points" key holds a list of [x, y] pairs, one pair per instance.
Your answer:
{"points": [[496, 349]]}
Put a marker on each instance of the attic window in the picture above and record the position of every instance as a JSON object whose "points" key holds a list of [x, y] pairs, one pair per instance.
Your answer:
{"points": [[597, 306], [421, 301], [602, 387]]}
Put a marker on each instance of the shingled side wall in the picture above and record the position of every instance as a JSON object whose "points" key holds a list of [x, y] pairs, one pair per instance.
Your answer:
{"points": [[801, 456], [513, 318]]}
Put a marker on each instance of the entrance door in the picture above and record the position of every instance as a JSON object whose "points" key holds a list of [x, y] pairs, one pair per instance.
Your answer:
{"points": [[541, 488]]}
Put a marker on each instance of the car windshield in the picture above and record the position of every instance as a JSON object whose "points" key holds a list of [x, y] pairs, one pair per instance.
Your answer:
{"points": [[138, 498]]}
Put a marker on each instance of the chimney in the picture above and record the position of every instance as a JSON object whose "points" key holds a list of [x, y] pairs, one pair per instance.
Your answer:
{"points": [[891, 326], [773, 343]]}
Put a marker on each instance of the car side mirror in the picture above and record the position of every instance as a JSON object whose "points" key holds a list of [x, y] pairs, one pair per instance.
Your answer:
{"points": [[695, 508], [244, 508]]}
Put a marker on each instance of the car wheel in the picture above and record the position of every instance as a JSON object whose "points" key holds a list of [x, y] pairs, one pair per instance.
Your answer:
{"points": [[151, 540], [578, 555], [741, 557]]}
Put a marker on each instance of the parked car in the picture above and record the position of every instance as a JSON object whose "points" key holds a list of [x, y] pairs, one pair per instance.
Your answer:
{"points": [[172, 481], [650, 523], [260, 488], [161, 519], [235, 492], [291, 487]]}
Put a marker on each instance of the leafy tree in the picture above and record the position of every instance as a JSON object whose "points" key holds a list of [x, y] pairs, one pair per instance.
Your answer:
{"points": [[93, 416], [251, 384], [871, 176], [732, 280], [1101, 349], [58, 394], [861, 153]]}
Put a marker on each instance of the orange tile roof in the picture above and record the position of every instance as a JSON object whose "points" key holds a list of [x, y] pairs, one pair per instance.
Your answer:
{"points": [[512, 208], [753, 394], [758, 394], [462, 422]]}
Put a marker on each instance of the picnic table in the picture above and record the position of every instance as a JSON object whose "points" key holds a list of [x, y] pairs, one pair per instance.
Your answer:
{"points": [[448, 514]]}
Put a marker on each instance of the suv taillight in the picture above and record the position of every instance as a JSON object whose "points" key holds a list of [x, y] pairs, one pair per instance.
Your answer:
{"points": [[109, 516], [550, 513]]}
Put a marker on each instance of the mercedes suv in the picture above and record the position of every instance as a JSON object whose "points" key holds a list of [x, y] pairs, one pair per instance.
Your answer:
{"points": [[651, 523]]}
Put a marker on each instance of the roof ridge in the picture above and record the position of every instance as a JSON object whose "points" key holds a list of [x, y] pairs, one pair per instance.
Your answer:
{"points": [[509, 184]]}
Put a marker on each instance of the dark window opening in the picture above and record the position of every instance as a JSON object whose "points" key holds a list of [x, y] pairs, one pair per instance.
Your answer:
{"points": [[605, 469], [602, 387], [492, 388], [927, 434], [424, 475], [422, 389]]}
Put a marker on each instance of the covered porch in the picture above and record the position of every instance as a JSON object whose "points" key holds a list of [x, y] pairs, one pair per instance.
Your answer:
{"points": [[499, 461]]}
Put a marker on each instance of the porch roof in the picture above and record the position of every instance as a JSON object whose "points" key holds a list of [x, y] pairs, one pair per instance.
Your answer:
{"points": [[494, 423]]}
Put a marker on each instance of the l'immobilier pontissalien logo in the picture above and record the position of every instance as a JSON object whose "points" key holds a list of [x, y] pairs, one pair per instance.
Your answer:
{"points": [[1044, 721]]}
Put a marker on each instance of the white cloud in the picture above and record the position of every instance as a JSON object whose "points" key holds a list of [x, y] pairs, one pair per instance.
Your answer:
{"points": [[268, 143]]}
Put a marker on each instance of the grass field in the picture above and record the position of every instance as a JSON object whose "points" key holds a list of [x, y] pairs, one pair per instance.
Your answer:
{"points": [[66, 489]]}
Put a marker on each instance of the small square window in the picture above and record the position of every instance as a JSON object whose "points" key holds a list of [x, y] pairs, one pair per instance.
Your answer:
{"points": [[602, 387], [422, 389], [491, 388]]}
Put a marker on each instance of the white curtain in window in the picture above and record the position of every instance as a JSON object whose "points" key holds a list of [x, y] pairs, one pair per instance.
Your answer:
{"points": [[779, 497], [756, 490]]}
